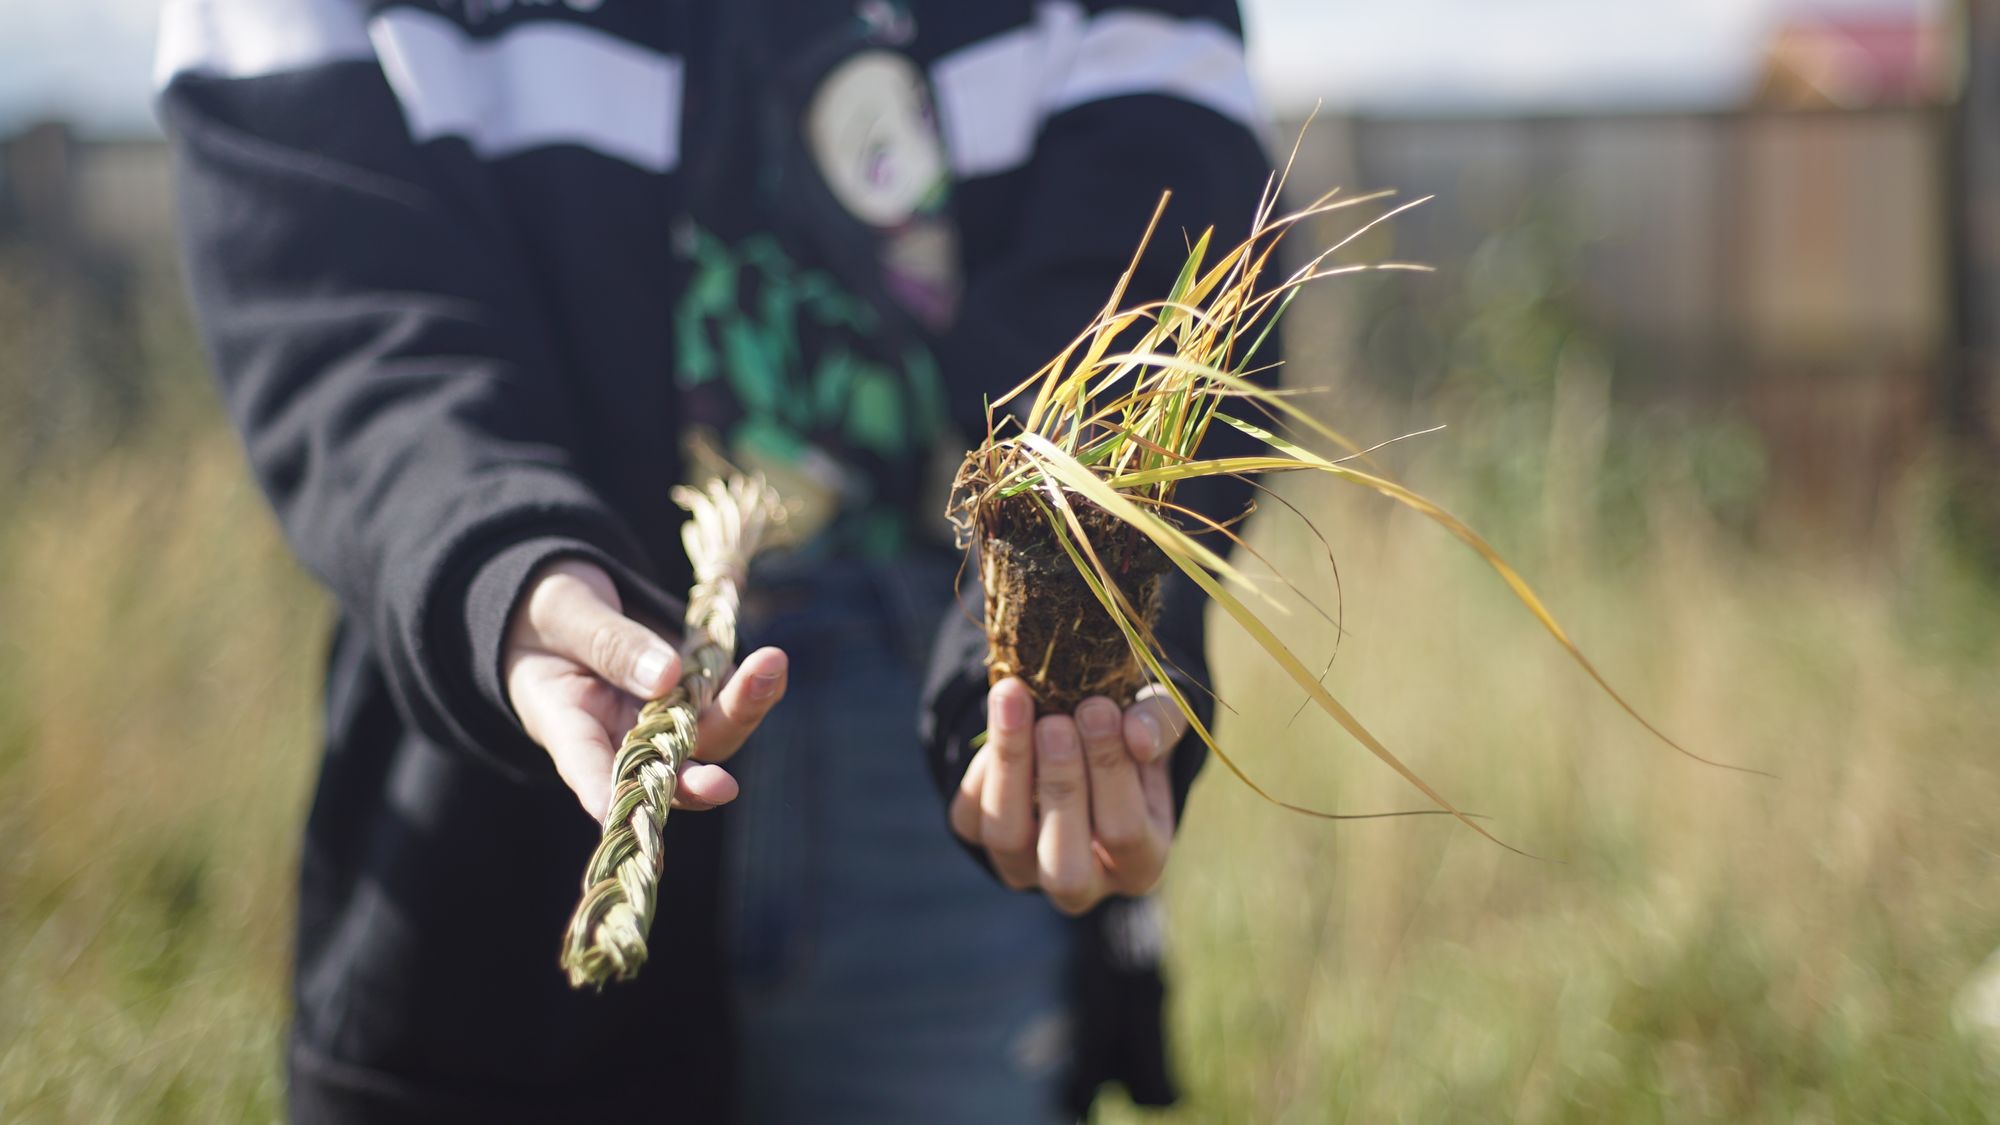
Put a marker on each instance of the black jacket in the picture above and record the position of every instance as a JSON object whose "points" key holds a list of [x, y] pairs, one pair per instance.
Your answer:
{"points": [[430, 247]]}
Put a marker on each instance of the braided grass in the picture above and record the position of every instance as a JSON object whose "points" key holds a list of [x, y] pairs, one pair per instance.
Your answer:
{"points": [[606, 940]]}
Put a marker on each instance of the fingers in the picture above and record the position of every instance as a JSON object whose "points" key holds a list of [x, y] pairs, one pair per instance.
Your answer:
{"points": [[1159, 791], [753, 689], [577, 744], [704, 787], [1132, 850], [1153, 725], [573, 610], [1068, 804], [583, 748], [610, 706], [965, 803], [1065, 864], [1006, 811]]}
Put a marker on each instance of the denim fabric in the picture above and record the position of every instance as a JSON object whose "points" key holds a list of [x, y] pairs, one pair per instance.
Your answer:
{"points": [[881, 977]]}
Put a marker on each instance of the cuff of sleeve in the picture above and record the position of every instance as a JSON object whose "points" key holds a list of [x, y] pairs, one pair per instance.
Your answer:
{"points": [[496, 589], [1182, 632]]}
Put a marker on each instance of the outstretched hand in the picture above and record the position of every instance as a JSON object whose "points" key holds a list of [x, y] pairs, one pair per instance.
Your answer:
{"points": [[1080, 806], [577, 670]]}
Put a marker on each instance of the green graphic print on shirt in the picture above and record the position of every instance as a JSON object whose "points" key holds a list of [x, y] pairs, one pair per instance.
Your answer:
{"points": [[786, 372]]}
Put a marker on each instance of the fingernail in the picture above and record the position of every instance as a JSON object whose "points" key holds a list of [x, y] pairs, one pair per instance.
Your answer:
{"points": [[1150, 724], [1055, 737], [1010, 711], [764, 685], [650, 669], [1098, 718]]}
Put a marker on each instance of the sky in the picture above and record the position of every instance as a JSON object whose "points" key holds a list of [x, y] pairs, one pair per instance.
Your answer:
{"points": [[91, 60]]}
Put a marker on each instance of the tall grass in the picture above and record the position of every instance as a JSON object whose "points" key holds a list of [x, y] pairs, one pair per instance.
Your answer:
{"points": [[157, 675], [1709, 947]]}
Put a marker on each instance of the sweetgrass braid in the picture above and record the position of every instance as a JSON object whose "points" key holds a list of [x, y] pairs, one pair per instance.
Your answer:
{"points": [[606, 940]]}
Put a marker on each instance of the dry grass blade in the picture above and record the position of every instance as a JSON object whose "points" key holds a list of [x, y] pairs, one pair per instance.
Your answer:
{"points": [[606, 940]]}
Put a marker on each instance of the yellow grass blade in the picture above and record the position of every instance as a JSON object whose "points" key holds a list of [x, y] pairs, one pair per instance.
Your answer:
{"points": [[1247, 389], [1171, 540], [1069, 532], [1219, 467], [1098, 337], [1302, 676], [1486, 551]]}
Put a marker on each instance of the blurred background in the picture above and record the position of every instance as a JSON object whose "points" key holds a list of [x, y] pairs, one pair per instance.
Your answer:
{"points": [[1714, 331]]}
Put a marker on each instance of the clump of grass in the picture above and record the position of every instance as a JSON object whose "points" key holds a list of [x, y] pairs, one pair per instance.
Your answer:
{"points": [[1072, 500]]}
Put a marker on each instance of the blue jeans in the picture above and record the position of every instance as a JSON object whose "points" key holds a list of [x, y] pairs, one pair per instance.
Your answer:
{"points": [[880, 975]]}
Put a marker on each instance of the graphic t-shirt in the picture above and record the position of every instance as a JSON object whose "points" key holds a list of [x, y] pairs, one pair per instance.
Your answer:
{"points": [[822, 258]]}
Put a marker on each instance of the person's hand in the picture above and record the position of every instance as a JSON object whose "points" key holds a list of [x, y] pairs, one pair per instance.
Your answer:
{"points": [[577, 670], [1080, 806]]}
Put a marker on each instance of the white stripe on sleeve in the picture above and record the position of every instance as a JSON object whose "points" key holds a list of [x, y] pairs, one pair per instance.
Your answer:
{"points": [[989, 94], [1138, 52], [994, 96], [537, 84]]}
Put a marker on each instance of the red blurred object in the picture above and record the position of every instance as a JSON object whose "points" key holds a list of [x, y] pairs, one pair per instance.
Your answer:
{"points": [[1853, 61]]}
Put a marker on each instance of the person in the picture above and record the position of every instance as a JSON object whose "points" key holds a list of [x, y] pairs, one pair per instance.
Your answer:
{"points": [[480, 280]]}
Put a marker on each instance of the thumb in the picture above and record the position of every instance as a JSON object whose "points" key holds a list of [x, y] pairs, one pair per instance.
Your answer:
{"points": [[574, 609], [1154, 724]]}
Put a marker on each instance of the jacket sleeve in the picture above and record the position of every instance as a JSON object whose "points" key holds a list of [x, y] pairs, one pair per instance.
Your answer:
{"points": [[381, 351], [1150, 98]]}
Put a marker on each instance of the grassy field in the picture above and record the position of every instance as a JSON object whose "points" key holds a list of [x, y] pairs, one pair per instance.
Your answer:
{"points": [[1702, 945], [1698, 945]]}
